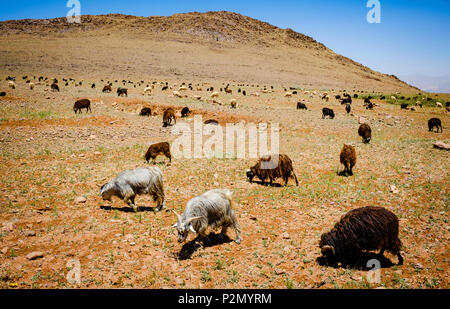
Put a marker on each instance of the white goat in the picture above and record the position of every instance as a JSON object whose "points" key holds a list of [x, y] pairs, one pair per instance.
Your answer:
{"points": [[128, 184], [212, 208]]}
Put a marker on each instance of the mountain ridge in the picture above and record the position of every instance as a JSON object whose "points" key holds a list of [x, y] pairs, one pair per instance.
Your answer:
{"points": [[261, 51]]}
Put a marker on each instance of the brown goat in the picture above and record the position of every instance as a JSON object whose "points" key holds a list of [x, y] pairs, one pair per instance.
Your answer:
{"points": [[107, 88], [146, 111], [365, 132], [369, 228], [169, 115], [54, 87], [348, 159], [263, 169], [158, 149], [80, 104]]}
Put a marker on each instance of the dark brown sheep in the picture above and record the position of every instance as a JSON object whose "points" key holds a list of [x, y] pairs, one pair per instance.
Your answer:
{"points": [[80, 104], [364, 229], [348, 159], [434, 123], [185, 112], [264, 169], [169, 115], [107, 88], [158, 149], [365, 132], [54, 87], [122, 92], [146, 111]]}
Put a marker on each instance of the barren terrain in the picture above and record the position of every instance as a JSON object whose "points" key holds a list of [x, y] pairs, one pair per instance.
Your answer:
{"points": [[50, 157]]}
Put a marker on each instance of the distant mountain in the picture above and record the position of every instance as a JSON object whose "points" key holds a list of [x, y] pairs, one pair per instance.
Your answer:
{"points": [[429, 83], [221, 46]]}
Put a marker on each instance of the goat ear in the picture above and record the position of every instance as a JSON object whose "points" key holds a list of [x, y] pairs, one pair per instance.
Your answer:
{"points": [[192, 229], [175, 225]]}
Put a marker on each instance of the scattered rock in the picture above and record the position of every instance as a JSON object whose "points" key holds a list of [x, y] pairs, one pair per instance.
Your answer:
{"points": [[4, 250], [393, 189], [81, 199], [279, 271], [35, 255], [441, 145], [285, 235], [30, 233]]}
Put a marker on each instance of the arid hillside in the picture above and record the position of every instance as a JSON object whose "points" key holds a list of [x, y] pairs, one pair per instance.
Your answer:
{"points": [[222, 46]]}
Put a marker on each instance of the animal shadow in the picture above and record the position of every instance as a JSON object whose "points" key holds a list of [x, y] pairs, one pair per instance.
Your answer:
{"points": [[128, 209], [344, 174], [267, 184], [361, 264], [211, 240]]}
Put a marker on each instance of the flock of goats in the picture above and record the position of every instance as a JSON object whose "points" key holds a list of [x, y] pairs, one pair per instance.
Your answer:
{"points": [[363, 229]]}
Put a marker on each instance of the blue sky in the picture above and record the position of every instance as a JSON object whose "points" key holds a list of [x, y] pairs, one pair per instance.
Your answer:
{"points": [[412, 38]]}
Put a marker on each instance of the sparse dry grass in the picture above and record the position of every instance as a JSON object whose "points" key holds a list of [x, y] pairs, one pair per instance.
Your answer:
{"points": [[46, 162]]}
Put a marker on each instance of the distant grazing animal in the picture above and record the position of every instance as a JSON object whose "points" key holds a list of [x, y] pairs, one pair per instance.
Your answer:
{"points": [[447, 104], [158, 149], [348, 159], [338, 97], [265, 168], [369, 106], [165, 88], [185, 112], [147, 90], [146, 111], [122, 92], [80, 104], [301, 105], [228, 90], [288, 94], [244, 93], [383, 97], [348, 108], [355, 96], [2, 94], [346, 101], [107, 88], [211, 209], [128, 184], [366, 101], [54, 87], [438, 104], [92, 86], [364, 229], [365, 132], [434, 123], [233, 103], [215, 95], [31, 86], [404, 106], [12, 85], [168, 116], [327, 112]]}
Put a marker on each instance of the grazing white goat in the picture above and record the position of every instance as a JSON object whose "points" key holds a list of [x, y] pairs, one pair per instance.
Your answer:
{"points": [[128, 184], [212, 208], [147, 90]]}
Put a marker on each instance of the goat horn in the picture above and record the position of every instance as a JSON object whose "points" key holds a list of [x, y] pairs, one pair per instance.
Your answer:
{"points": [[176, 214], [328, 248], [192, 219]]}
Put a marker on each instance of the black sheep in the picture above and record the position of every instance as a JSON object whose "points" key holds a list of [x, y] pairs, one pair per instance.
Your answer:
{"points": [[300, 105], [327, 112], [365, 132], [434, 122]]}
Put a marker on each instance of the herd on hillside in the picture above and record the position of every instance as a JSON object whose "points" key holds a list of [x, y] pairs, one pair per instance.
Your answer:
{"points": [[364, 229]]}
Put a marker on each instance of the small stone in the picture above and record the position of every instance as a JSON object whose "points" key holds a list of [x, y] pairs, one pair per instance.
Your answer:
{"points": [[97, 153], [4, 250], [285, 235], [279, 271], [35, 255], [81, 199], [30, 233], [393, 189]]}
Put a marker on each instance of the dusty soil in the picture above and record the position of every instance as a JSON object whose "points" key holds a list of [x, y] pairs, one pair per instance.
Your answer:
{"points": [[49, 157]]}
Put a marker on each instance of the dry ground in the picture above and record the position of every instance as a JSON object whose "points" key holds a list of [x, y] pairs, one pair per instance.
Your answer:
{"points": [[49, 157]]}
